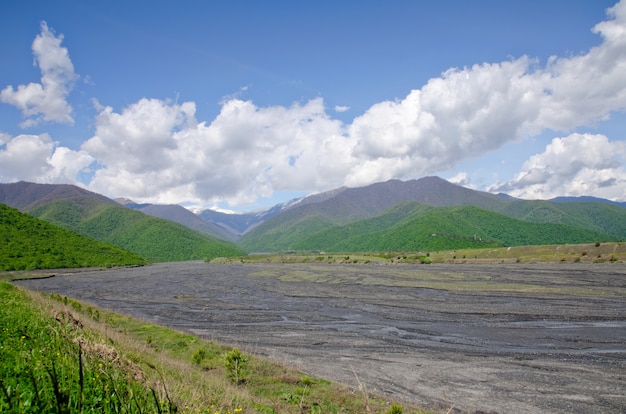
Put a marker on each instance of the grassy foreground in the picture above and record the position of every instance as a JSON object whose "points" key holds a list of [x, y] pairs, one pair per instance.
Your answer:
{"points": [[58, 355]]}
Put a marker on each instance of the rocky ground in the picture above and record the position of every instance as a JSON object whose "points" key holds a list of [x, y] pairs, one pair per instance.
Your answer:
{"points": [[521, 338]]}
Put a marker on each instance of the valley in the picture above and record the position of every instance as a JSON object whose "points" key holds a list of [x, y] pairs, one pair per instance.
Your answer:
{"points": [[516, 337]]}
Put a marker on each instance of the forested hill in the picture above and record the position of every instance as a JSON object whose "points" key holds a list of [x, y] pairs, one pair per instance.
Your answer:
{"points": [[27, 243], [156, 239], [96, 216], [414, 227]]}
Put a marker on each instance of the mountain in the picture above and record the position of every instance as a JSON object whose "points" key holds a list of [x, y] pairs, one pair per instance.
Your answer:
{"points": [[587, 199], [27, 196], [27, 243], [411, 226], [305, 225], [181, 215], [599, 216], [382, 216], [351, 204], [237, 224], [367, 201], [103, 219]]}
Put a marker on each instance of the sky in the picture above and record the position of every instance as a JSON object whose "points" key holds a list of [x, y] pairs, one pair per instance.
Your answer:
{"points": [[239, 105]]}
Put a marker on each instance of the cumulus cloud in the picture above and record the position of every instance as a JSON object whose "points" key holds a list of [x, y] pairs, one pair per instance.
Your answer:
{"points": [[576, 165], [45, 101], [461, 179], [38, 158], [471, 111], [157, 151], [155, 147], [341, 108]]}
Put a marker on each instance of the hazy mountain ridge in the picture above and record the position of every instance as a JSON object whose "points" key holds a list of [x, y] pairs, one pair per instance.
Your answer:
{"points": [[181, 215], [587, 199]]}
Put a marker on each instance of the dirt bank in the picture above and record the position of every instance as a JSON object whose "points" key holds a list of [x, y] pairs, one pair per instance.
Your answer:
{"points": [[520, 338]]}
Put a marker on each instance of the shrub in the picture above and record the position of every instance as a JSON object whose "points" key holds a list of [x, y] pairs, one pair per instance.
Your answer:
{"points": [[235, 363]]}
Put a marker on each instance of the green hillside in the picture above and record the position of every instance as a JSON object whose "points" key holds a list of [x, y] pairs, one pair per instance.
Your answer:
{"points": [[27, 243], [288, 228], [596, 216], [156, 239], [414, 227]]}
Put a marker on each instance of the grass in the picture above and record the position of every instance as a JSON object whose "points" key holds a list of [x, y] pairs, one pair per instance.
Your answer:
{"points": [[61, 355], [583, 253], [578, 253], [50, 364], [451, 280]]}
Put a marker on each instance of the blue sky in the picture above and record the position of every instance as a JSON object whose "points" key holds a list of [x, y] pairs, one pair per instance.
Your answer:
{"points": [[243, 104]]}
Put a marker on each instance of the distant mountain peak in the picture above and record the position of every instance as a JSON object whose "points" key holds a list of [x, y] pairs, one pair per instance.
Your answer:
{"points": [[123, 201]]}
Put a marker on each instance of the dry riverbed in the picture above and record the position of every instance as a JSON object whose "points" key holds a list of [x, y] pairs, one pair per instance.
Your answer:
{"points": [[522, 338]]}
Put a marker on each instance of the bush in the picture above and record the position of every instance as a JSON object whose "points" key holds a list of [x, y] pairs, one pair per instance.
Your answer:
{"points": [[235, 363]]}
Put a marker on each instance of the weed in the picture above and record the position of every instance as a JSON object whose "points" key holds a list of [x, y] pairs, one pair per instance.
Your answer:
{"points": [[198, 356], [395, 409]]}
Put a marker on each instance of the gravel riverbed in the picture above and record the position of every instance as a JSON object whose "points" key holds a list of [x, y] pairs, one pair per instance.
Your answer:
{"points": [[514, 338]]}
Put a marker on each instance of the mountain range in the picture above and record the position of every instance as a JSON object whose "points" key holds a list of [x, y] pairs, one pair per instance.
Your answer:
{"points": [[100, 218], [424, 214]]}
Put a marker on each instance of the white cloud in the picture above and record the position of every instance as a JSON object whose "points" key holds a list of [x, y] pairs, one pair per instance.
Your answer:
{"points": [[38, 159], [471, 111], [577, 165], [153, 148], [341, 108], [462, 179], [45, 101], [157, 151]]}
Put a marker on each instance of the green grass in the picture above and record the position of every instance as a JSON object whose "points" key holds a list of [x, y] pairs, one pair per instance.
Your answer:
{"points": [[61, 355], [611, 252], [48, 365]]}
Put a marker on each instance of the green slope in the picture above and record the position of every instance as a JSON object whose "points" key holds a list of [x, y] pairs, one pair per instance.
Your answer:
{"points": [[28, 243], [283, 231], [156, 239], [596, 216], [412, 227]]}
